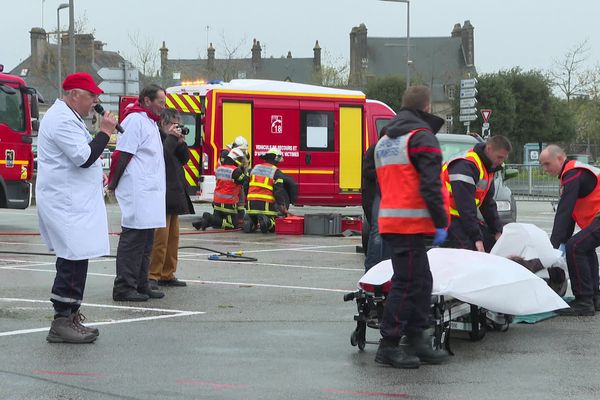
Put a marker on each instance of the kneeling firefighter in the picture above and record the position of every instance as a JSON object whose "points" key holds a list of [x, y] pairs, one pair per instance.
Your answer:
{"points": [[267, 194], [231, 179]]}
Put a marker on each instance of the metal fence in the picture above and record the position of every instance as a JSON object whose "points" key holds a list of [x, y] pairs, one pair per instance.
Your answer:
{"points": [[533, 183]]}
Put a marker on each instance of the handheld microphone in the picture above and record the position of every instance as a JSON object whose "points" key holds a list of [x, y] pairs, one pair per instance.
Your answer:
{"points": [[100, 110]]}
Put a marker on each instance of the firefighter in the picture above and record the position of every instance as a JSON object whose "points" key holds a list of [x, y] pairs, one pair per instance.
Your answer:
{"points": [[579, 204], [408, 161], [230, 182], [239, 142], [267, 195], [470, 182]]}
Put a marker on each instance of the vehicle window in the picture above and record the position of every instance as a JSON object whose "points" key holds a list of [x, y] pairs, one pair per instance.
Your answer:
{"points": [[11, 110], [189, 121], [380, 123], [316, 130], [453, 149]]}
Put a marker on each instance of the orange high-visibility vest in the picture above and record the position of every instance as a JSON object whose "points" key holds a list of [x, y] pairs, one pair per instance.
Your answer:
{"points": [[481, 188], [226, 190], [588, 207], [261, 183], [402, 209]]}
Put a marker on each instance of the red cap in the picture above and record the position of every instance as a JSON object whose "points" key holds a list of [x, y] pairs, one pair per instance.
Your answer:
{"points": [[81, 80]]}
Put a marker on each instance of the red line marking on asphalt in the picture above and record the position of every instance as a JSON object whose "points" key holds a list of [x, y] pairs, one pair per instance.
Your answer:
{"points": [[213, 385], [365, 393], [37, 372]]}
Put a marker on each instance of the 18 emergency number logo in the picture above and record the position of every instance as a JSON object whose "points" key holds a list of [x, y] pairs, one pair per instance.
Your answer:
{"points": [[276, 124]]}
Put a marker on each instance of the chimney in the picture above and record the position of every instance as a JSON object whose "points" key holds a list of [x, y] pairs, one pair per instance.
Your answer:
{"points": [[164, 62], [210, 52], [38, 47], [84, 46], [456, 31], [468, 43], [317, 57], [98, 46], [256, 50], [358, 55], [289, 55]]}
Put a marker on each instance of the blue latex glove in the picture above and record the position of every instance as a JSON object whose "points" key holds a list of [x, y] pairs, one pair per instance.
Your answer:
{"points": [[440, 236], [561, 248]]}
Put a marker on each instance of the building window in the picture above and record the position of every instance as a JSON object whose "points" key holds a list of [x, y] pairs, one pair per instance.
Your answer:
{"points": [[316, 130], [449, 120], [450, 91]]}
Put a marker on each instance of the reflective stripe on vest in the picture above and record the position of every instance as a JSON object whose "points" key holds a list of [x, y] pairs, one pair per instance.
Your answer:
{"points": [[481, 187], [261, 183], [588, 207], [402, 209], [226, 190]]}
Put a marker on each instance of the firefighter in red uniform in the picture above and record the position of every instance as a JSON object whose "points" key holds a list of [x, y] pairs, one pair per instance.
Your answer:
{"points": [[231, 179], [408, 160], [470, 181], [579, 203], [267, 195]]}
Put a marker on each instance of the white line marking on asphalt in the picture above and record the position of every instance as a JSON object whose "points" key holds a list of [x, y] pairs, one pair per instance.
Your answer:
{"points": [[204, 282], [175, 313]]}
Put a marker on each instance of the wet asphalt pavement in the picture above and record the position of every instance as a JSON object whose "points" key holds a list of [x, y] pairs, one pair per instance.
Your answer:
{"points": [[272, 329]]}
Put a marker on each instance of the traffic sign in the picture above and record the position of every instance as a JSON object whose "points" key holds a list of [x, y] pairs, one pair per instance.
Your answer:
{"points": [[464, 111], [468, 83], [485, 113], [466, 103], [467, 118], [118, 87], [464, 93], [119, 74]]}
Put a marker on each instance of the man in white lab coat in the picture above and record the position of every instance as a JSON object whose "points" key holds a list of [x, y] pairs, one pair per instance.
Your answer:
{"points": [[70, 202], [139, 184]]}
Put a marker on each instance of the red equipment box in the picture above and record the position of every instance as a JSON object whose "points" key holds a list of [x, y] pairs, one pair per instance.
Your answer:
{"points": [[352, 224], [291, 225]]}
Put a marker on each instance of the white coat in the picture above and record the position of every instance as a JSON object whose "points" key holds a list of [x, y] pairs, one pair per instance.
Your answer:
{"points": [[70, 201], [141, 189]]}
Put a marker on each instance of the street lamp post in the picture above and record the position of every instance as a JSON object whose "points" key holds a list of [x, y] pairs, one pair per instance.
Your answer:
{"points": [[408, 60], [60, 7]]}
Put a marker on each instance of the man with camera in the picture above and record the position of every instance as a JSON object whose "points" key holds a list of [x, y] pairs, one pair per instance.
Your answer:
{"points": [[163, 261]]}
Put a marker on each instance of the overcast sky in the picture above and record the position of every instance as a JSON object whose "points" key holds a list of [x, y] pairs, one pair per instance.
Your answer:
{"points": [[508, 33]]}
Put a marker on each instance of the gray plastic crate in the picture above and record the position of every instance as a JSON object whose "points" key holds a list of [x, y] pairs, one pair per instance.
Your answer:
{"points": [[323, 224]]}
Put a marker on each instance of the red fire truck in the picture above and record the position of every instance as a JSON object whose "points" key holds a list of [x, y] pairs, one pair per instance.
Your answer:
{"points": [[322, 133], [18, 119]]}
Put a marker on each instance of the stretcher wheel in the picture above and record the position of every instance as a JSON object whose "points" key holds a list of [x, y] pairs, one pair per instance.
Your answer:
{"points": [[358, 337], [501, 327]]}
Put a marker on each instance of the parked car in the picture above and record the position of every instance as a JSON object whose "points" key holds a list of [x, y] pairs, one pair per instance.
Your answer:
{"points": [[584, 158]]}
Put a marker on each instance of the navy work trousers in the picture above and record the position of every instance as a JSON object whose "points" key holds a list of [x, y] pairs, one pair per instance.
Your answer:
{"points": [[582, 260], [69, 284], [408, 304]]}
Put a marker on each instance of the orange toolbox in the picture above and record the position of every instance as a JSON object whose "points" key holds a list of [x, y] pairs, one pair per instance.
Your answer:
{"points": [[292, 225]]}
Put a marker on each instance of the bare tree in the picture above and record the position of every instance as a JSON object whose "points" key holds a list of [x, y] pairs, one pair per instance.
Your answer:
{"points": [[233, 58], [335, 70], [145, 56], [568, 75]]}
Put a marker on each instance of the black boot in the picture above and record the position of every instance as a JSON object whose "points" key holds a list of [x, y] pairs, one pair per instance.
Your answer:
{"points": [[597, 302], [581, 306], [390, 353], [420, 345]]}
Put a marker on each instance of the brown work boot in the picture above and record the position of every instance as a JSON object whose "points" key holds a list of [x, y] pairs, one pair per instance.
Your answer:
{"points": [[65, 330], [79, 319]]}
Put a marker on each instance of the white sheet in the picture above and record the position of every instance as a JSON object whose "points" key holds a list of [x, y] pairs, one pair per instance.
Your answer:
{"points": [[486, 280]]}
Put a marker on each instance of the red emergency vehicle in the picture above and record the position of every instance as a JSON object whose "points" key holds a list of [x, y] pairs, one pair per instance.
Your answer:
{"points": [[18, 119], [322, 133]]}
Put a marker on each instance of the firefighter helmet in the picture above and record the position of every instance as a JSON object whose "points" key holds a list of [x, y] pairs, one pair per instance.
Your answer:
{"points": [[237, 155], [275, 154], [240, 142]]}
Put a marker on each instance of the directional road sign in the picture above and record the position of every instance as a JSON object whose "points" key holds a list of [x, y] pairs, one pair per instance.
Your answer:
{"points": [[466, 103], [118, 87], [118, 74], [464, 111], [464, 93], [467, 118], [468, 83]]}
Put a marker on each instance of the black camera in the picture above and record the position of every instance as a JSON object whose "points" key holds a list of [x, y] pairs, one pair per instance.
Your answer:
{"points": [[184, 129]]}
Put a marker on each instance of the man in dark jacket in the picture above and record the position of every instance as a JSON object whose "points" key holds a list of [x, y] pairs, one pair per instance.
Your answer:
{"points": [[470, 181], [163, 260], [408, 161]]}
